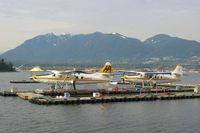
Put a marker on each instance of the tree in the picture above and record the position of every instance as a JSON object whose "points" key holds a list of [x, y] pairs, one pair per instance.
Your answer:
{"points": [[4, 66]]}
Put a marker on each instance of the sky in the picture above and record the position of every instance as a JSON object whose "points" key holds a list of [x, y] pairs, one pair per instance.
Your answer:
{"points": [[24, 19]]}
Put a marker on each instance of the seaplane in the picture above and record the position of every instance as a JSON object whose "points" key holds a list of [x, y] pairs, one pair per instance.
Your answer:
{"points": [[58, 79], [153, 77]]}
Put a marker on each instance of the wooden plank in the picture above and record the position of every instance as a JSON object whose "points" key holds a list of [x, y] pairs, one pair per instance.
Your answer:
{"points": [[27, 96]]}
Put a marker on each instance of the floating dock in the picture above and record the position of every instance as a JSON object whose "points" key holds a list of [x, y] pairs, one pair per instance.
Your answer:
{"points": [[28, 95], [79, 98], [50, 97], [23, 81], [90, 92], [108, 99], [12, 93]]}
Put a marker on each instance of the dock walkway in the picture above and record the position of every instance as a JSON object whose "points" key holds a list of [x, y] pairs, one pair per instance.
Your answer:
{"points": [[108, 99], [50, 97]]}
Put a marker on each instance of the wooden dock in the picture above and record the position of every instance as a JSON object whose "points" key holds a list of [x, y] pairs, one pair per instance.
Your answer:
{"points": [[12, 93], [23, 81], [81, 93], [108, 99], [177, 85], [111, 96], [8, 93], [50, 97], [28, 95]]}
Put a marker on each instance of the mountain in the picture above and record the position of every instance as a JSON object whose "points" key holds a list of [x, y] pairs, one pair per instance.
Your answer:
{"points": [[164, 45], [98, 47]]}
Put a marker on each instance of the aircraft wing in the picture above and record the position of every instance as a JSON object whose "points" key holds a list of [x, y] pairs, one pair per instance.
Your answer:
{"points": [[125, 72], [146, 73], [156, 73], [61, 72]]}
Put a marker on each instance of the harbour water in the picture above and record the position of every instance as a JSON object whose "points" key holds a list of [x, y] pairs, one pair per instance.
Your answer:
{"points": [[17, 115]]}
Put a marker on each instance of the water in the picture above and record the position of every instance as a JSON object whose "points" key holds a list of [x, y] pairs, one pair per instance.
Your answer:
{"points": [[17, 115]]}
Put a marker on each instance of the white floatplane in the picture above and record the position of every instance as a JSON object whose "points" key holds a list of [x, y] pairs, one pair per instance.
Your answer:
{"points": [[154, 77], [72, 77]]}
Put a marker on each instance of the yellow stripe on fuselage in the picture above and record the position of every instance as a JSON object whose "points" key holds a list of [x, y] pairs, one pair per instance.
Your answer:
{"points": [[140, 78], [66, 79]]}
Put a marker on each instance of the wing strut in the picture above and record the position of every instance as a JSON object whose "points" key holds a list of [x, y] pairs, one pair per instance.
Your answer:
{"points": [[74, 85]]}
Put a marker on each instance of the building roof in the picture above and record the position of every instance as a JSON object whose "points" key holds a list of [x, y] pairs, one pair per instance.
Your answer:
{"points": [[36, 69]]}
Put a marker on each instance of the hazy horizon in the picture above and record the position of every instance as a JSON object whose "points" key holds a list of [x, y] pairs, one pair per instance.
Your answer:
{"points": [[139, 19]]}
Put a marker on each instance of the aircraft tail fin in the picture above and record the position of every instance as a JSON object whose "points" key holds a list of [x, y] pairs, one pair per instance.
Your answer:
{"points": [[178, 70], [107, 68]]}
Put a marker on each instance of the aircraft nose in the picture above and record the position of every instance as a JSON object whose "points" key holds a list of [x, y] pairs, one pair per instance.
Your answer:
{"points": [[124, 77], [33, 77]]}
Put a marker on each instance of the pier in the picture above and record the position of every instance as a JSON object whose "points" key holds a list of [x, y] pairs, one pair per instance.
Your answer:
{"points": [[108, 99], [90, 92], [28, 95], [23, 81], [54, 97]]}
